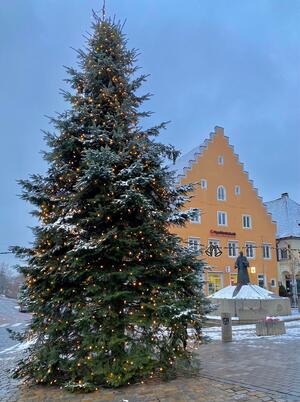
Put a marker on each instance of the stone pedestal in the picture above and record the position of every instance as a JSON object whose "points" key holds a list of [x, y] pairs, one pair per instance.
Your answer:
{"points": [[271, 327]]}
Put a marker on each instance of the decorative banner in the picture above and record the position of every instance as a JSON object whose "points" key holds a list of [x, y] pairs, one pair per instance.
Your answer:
{"points": [[213, 251]]}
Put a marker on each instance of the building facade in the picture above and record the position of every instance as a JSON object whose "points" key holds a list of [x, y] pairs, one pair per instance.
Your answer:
{"points": [[286, 213], [228, 216]]}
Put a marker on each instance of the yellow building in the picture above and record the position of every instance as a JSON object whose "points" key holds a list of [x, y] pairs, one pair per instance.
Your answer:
{"points": [[228, 214]]}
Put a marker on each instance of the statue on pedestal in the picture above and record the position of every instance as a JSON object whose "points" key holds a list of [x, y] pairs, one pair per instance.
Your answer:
{"points": [[241, 265]]}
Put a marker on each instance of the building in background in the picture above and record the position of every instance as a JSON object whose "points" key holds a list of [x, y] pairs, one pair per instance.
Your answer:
{"points": [[228, 216], [286, 213]]}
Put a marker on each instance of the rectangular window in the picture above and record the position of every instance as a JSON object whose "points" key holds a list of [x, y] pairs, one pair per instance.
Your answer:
{"points": [[222, 218], [214, 282], [216, 248], [261, 280], [194, 244], [283, 253], [247, 222], [203, 184], [273, 283], [196, 218], [232, 249], [237, 190], [267, 251], [220, 160], [250, 250]]}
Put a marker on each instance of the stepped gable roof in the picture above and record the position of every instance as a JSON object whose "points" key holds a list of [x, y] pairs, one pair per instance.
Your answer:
{"points": [[286, 212], [185, 163]]}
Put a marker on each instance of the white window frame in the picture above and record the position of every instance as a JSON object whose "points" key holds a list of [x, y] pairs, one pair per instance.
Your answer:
{"points": [[267, 246], [222, 213], [221, 191], [214, 242], [235, 248], [273, 283], [221, 160], [237, 189], [198, 219], [192, 242], [244, 219], [253, 248], [203, 184]]}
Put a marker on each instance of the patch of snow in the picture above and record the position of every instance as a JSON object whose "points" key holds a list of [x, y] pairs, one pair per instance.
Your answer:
{"points": [[182, 313], [218, 317], [18, 347], [248, 332], [286, 213], [247, 292]]}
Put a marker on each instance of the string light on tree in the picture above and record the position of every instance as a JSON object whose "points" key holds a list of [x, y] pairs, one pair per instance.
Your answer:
{"points": [[111, 288]]}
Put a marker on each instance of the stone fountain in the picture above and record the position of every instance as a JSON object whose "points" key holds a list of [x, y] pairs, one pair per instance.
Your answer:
{"points": [[247, 302]]}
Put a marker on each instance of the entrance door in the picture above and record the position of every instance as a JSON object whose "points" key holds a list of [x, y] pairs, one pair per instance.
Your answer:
{"points": [[233, 279], [214, 282]]}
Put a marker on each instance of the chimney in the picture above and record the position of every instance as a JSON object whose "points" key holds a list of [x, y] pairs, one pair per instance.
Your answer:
{"points": [[285, 195]]}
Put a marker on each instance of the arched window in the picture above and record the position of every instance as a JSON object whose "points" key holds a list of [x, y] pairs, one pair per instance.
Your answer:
{"points": [[221, 193]]}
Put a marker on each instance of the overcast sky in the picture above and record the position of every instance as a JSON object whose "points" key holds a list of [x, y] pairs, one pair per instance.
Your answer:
{"points": [[230, 63]]}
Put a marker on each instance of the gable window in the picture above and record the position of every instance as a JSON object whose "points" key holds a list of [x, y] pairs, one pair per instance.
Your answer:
{"points": [[220, 160], [196, 218], [222, 218], [232, 249], [203, 184], [194, 244], [237, 190], [221, 193], [250, 250], [247, 222], [267, 251]]}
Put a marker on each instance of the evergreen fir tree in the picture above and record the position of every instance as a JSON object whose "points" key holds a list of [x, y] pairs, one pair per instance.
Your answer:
{"points": [[111, 289]]}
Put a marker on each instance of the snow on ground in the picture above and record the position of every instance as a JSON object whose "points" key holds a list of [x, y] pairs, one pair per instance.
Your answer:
{"points": [[247, 332], [293, 317], [17, 348]]}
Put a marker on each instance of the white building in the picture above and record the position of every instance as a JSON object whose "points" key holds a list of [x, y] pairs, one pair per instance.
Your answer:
{"points": [[286, 213]]}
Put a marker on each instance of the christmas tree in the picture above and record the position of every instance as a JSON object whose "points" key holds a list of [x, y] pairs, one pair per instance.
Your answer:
{"points": [[113, 292]]}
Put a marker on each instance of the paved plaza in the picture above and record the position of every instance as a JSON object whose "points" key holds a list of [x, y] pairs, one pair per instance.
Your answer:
{"points": [[248, 369]]}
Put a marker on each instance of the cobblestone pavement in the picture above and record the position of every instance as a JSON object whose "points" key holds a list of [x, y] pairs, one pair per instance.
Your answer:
{"points": [[269, 363], [196, 389], [248, 369]]}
